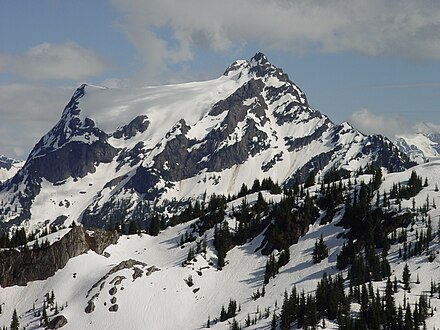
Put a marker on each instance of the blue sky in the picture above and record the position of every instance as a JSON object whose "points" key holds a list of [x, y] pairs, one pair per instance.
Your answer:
{"points": [[373, 63]]}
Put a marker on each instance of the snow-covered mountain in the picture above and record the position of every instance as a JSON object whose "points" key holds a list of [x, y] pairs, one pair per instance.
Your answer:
{"points": [[200, 165], [158, 147], [9, 167], [420, 147]]}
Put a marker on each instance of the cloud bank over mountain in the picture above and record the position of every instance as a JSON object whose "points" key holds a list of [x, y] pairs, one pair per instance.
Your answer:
{"points": [[166, 32]]}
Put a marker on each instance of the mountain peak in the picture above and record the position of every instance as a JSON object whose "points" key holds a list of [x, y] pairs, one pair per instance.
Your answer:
{"points": [[258, 66], [259, 58]]}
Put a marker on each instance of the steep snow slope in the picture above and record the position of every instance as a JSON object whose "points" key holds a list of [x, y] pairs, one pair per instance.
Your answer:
{"points": [[163, 300]]}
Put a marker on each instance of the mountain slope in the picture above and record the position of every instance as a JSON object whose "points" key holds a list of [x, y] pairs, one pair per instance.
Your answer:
{"points": [[117, 152], [160, 298]]}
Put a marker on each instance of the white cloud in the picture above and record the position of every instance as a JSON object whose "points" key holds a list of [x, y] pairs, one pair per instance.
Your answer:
{"points": [[390, 125], [54, 62], [27, 112], [399, 28]]}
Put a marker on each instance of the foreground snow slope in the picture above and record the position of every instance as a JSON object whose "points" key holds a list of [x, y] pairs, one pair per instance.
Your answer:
{"points": [[163, 300]]}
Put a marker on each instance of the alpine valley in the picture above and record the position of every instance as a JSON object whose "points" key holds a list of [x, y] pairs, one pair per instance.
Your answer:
{"points": [[223, 204]]}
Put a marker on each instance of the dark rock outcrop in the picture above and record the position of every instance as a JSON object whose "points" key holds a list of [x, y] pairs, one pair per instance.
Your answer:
{"points": [[113, 291], [75, 159], [90, 307], [57, 322], [113, 308], [139, 124], [40, 264], [387, 154]]}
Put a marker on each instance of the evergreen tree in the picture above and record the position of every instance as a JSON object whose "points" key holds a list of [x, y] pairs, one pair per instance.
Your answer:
{"points": [[390, 307], [408, 323], [273, 324], [283, 258], [191, 254], [406, 276], [310, 181], [15, 324], [243, 191], [320, 252], [235, 325], [232, 308], [44, 317], [222, 242], [223, 315], [154, 228], [248, 321], [256, 186], [132, 228], [271, 269]]}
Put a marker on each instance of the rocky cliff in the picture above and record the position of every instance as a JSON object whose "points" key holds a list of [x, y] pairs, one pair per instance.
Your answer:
{"points": [[39, 264]]}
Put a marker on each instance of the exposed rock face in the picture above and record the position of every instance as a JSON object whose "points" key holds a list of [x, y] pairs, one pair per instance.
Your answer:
{"points": [[113, 291], [388, 156], [75, 160], [214, 154], [113, 308], [139, 124], [25, 267], [73, 147], [5, 162], [90, 307], [57, 322]]}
